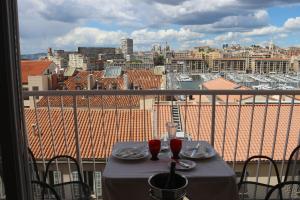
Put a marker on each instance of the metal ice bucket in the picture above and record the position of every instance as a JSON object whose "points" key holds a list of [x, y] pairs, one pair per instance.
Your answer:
{"points": [[157, 182]]}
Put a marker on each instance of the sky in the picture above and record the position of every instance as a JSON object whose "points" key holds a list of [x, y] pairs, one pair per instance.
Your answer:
{"points": [[67, 24]]}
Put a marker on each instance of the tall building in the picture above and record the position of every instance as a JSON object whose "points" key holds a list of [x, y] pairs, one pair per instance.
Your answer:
{"points": [[127, 46], [79, 61]]}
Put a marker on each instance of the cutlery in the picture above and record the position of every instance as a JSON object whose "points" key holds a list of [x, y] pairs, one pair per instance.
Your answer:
{"points": [[195, 150], [183, 164]]}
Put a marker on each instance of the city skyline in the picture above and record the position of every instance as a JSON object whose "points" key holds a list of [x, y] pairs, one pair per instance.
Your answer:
{"points": [[183, 24]]}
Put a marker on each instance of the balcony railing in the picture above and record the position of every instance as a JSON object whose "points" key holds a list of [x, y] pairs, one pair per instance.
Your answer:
{"points": [[238, 123]]}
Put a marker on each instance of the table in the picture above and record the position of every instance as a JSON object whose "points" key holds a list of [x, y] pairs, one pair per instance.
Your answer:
{"points": [[211, 179]]}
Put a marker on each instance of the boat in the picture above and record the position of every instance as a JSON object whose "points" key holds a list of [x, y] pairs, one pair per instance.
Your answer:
{"points": [[184, 78]]}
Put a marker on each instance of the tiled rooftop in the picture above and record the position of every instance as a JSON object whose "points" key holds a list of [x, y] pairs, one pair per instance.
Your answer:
{"points": [[107, 102], [223, 84], [245, 117], [32, 68], [232, 119], [132, 126], [104, 137]]}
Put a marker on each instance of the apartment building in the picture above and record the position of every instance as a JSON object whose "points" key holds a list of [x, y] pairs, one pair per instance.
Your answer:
{"points": [[79, 61], [229, 65], [127, 46], [270, 65], [189, 65], [38, 75], [59, 57]]}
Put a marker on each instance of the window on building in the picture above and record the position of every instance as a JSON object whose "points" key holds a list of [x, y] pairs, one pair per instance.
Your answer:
{"points": [[98, 184], [25, 89], [35, 88], [55, 177]]}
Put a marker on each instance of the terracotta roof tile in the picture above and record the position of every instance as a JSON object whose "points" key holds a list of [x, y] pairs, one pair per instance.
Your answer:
{"points": [[103, 130], [205, 129], [32, 68], [223, 84], [108, 102]]}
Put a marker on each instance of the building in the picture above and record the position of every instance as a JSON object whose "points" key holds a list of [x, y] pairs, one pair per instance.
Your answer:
{"points": [[182, 54], [229, 65], [223, 84], [38, 75], [92, 53], [127, 46], [60, 58], [79, 61], [130, 65], [270, 65], [189, 65]]}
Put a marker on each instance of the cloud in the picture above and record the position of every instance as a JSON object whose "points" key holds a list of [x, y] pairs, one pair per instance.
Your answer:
{"points": [[66, 23], [145, 36], [86, 36], [268, 30], [292, 24], [81, 36]]}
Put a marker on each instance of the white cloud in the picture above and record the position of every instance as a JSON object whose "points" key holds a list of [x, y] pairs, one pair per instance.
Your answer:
{"points": [[268, 30], [90, 36], [292, 23], [144, 36]]}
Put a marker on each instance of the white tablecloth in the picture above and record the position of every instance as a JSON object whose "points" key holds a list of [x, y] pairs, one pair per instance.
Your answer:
{"points": [[211, 179]]}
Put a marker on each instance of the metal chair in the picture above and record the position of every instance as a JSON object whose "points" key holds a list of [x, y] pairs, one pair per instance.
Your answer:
{"points": [[34, 174], [72, 190], [43, 191], [293, 166], [289, 190], [254, 189]]}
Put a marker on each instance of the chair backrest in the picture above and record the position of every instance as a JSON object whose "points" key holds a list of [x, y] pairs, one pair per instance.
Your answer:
{"points": [[266, 158], [252, 187], [33, 166], [43, 191], [286, 190], [74, 190], [64, 158], [293, 166]]}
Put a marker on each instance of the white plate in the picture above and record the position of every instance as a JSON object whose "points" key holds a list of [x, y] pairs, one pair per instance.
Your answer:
{"points": [[180, 166], [208, 152], [130, 153]]}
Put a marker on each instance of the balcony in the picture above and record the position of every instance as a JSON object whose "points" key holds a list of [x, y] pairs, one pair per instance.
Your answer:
{"points": [[86, 125]]}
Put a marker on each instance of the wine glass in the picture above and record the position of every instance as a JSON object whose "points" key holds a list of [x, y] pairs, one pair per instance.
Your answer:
{"points": [[175, 145], [154, 148]]}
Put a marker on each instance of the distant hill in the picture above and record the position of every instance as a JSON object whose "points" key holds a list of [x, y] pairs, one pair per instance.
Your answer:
{"points": [[34, 56]]}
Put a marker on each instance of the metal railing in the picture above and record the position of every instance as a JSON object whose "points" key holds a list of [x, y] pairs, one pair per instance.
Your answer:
{"points": [[161, 101]]}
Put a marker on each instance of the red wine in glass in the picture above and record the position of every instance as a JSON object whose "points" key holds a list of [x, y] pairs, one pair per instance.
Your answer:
{"points": [[175, 145], [154, 148]]}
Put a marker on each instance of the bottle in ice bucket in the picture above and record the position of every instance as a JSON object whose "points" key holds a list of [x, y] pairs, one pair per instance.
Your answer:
{"points": [[168, 186]]}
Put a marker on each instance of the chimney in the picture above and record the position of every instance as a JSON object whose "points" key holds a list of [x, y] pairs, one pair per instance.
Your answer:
{"points": [[90, 82], [125, 80]]}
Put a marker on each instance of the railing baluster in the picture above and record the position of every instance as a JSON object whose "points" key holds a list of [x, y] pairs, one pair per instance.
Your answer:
{"points": [[65, 133], [262, 141], [52, 133], [39, 133], [275, 136], [92, 140], [251, 126], [199, 116], [213, 121], [158, 132], [237, 132], [225, 126], [144, 123], [77, 137], [117, 119], [287, 135], [185, 114], [130, 118]]}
